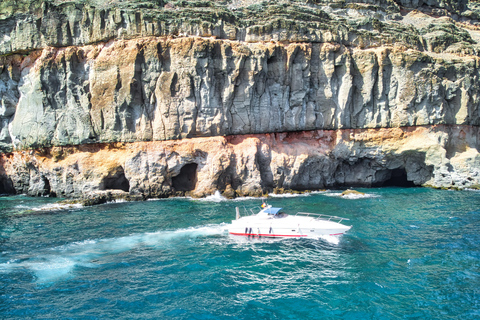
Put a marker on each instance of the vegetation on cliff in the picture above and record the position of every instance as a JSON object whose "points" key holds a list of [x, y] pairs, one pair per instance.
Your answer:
{"points": [[28, 25]]}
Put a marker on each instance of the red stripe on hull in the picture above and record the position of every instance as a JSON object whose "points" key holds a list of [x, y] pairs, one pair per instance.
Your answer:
{"points": [[267, 235], [275, 235]]}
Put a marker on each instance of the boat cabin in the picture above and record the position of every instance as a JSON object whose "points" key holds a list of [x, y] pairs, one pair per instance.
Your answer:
{"points": [[275, 212]]}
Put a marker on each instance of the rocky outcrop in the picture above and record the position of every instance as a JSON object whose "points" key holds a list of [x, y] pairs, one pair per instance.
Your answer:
{"points": [[439, 156], [459, 5], [156, 98], [28, 25], [160, 89]]}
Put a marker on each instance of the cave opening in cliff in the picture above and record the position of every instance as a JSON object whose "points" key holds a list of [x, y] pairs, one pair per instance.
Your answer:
{"points": [[6, 186], [46, 187], [116, 180], [186, 179], [398, 178]]}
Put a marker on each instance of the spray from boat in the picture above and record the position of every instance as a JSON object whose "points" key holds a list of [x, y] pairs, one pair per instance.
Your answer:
{"points": [[59, 262]]}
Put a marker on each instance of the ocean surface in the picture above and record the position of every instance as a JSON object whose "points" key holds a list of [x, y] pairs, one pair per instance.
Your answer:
{"points": [[411, 254]]}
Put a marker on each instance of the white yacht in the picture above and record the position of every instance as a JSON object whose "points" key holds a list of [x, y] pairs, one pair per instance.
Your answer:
{"points": [[272, 222]]}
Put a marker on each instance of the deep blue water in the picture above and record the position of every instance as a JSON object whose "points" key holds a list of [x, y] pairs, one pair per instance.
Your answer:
{"points": [[411, 253]]}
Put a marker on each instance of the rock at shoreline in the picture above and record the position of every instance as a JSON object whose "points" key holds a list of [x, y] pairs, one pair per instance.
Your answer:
{"points": [[249, 165], [350, 192]]}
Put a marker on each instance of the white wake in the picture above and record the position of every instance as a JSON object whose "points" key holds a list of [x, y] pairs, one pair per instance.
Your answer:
{"points": [[59, 262]]}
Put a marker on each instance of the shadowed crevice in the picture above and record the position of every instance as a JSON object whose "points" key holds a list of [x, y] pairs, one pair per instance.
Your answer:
{"points": [[115, 180], [396, 178], [6, 186], [186, 179]]}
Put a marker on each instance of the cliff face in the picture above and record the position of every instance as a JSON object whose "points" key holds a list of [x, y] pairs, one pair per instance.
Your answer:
{"points": [[251, 164], [158, 89], [349, 93], [28, 25]]}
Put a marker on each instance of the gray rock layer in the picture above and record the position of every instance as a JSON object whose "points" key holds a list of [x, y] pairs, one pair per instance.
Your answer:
{"points": [[27, 25], [161, 89]]}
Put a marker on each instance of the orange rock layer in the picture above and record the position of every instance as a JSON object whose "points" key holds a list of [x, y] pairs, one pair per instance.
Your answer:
{"points": [[437, 156]]}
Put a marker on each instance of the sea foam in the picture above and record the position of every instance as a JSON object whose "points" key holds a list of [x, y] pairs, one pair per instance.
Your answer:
{"points": [[288, 195], [51, 207], [352, 196], [216, 197], [60, 262]]}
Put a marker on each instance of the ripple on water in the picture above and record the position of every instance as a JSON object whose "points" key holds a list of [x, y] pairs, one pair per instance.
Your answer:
{"points": [[410, 253]]}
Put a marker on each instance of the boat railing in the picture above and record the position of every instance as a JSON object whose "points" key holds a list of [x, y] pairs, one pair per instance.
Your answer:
{"points": [[320, 216], [246, 212]]}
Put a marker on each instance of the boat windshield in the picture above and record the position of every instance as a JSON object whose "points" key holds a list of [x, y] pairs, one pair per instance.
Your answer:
{"points": [[272, 210], [275, 212]]}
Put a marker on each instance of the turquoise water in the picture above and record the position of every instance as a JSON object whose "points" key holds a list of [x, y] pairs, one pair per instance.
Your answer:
{"points": [[411, 253]]}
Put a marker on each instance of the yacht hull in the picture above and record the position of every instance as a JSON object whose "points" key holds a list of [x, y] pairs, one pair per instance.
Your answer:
{"points": [[289, 227]]}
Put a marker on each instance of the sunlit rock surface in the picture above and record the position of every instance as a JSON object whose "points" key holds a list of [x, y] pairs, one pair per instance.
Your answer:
{"points": [[159, 89], [439, 156], [156, 98]]}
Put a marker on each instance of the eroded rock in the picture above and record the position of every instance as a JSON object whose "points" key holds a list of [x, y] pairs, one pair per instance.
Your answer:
{"points": [[96, 97], [253, 164], [159, 89]]}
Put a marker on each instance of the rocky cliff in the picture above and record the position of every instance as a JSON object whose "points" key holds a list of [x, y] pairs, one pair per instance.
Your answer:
{"points": [[250, 164], [155, 98]]}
